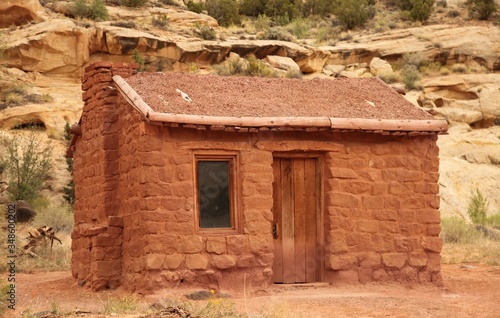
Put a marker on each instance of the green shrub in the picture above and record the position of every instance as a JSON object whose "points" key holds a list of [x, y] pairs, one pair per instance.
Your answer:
{"points": [[252, 8], [410, 76], [317, 7], [230, 67], [28, 163], [300, 28], [417, 59], [60, 218], [263, 23], [160, 21], [277, 34], [352, 13], [205, 32], [478, 207], [250, 66], [442, 3], [421, 10], [283, 11], [388, 78], [96, 10], [483, 9], [122, 305], [258, 68], [134, 3], [124, 24], [137, 57], [224, 11], [493, 221], [3, 46], [197, 7], [456, 230]]}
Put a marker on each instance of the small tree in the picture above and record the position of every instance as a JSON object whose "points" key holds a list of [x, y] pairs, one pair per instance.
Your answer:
{"points": [[421, 9], [226, 12], [478, 207], [134, 3], [352, 13], [482, 8], [69, 189], [28, 164]]}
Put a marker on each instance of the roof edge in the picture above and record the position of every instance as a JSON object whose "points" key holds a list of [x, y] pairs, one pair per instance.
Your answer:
{"points": [[363, 124]]}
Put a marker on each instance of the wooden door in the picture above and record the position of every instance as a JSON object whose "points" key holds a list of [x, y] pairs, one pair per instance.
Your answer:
{"points": [[296, 193]]}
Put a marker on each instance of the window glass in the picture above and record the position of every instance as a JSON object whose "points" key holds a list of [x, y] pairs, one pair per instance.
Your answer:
{"points": [[214, 194]]}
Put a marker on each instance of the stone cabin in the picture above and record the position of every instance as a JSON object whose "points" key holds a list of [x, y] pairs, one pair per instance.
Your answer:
{"points": [[225, 182]]}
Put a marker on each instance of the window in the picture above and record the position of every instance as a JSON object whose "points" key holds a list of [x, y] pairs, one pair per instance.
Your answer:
{"points": [[215, 192]]}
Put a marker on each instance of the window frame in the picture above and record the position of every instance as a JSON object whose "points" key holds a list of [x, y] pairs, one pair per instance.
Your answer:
{"points": [[234, 208]]}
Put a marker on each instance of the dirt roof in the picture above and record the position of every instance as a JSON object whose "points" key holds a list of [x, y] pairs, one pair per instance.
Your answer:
{"points": [[212, 95]]}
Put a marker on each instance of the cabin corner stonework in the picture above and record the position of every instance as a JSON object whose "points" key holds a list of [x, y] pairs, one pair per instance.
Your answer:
{"points": [[135, 189]]}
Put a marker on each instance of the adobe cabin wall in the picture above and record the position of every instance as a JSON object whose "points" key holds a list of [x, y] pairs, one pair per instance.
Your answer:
{"points": [[380, 206]]}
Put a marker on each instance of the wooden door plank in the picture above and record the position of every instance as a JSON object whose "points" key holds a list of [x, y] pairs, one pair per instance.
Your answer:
{"points": [[311, 184], [277, 219], [287, 211], [300, 218]]}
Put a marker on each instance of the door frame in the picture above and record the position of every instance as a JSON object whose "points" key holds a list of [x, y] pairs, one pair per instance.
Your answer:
{"points": [[320, 215]]}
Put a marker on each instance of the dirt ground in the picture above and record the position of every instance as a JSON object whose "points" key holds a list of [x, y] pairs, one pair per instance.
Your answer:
{"points": [[470, 290]]}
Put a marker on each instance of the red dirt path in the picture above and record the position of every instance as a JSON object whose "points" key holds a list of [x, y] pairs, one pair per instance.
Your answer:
{"points": [[470, 290]]}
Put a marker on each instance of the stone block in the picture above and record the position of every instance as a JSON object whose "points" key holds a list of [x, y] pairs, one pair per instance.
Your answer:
{"points": [[392, 202], [341, 173], [237, 244], [190, 244], [266, 259], [173, 261], [418, 259], [394, 260], [156, 247], [372, 202], [115, 221], [428, 216], [406, 216], [216, 245], [344, 200], [170, 276], [379, 188], [405, 244], [388, 227], [358, 241], [369, 259], [341, 262], [385, 215], [223, 261], [432, 243], [380, 275], [383, 242], [154, 261], [247, 260], [261, 244], [355, 187], [196, 261], [106, 268], [433, 229], [413, 202], [368, 226]]}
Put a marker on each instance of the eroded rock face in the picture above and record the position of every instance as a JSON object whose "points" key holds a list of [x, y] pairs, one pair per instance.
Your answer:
{"points": [[19, 12], [440, 43], [469, 159], [469, 98], [55, 47]]}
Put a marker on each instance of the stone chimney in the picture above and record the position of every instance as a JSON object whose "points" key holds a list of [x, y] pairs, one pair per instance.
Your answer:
{"points": [[97, 235]]}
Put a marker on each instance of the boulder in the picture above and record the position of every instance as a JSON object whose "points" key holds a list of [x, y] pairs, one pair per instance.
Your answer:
{"points": [[333, 69], [380, 67], [19, 12], [460, 115], [281, 62], [58, 46]]}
